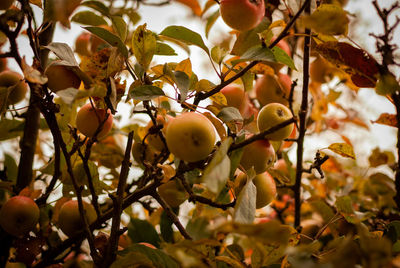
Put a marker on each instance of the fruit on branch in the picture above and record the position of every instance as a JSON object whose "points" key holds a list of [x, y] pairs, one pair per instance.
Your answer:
{"points": [[89, 119], [6, 4], [242, 15], [69, 219], [235, 96], [270, 88], [266, 189], [173, 193], [190, 137], [271, 115], [19, 215], [61, 77], [82, 44], [259, 154], [16, 84], [154, 140]]}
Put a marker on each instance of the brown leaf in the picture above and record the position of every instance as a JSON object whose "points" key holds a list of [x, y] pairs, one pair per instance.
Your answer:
{"points": [[386, 119], [359, 64]]}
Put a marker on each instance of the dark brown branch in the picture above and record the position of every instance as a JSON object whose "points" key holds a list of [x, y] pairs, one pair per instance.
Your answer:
{"points": [[111, 252], [302, 127]]}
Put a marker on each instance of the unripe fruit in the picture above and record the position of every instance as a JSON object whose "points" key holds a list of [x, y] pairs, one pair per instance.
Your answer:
{"points": [[69, 219], [270, 88], [6, 4], [259, 154], [242, 15], [16, 81], [60, 77], [173, 193], [190, 137], [266, 189], [88, 120], [19, 215], [271, 115]]}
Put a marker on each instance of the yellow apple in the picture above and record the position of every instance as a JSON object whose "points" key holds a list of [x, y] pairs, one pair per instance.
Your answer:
{"points": [[259, 154], [271, 115]]}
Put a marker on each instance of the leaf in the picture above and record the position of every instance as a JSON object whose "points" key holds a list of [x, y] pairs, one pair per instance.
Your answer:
{"points": [[185, 35], [361, 66], [132, 259], [109, 37], [167, 233], [64, 52], [216, 174], [97, 5], [245, 207], [218, 54], [193, 5], [143, 45], [387, 84], [9, 129], [282, 57], [32, 75], [211, 21], [164, 50], [327, 19], [158, 258], [88, 18], [198, 228], [258, 53], [342, 149], [386, 119], [229, 114], [182, 82], [119, 25], [231, 262], [12, 167], [145, 92], [378, 158], [143, 231], [36, 3]]}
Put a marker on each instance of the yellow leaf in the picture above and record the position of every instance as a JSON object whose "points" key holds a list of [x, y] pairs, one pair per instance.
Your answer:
{"points": [[185, 66], [219, 98], [193, 5], [143, 45], [328, 19], [343, 149]]}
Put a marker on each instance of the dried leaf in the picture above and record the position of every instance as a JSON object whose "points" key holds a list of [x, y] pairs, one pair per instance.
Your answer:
{"points": [[386, 119], [342, 149]]}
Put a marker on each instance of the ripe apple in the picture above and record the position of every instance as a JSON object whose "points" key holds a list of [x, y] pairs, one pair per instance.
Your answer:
{"points": [[190, 137], [69, 219], [270, 88], [266, 189], [272, 114], [173, 193], [16, 81], [19, 215], [82, 44], [60, 77], [259, 154], [242, 15], [235, 96], [88, 120], [6, 4]]}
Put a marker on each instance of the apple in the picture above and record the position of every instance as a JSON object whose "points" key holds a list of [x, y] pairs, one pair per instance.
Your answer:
{"points": [[154, 140], [173, 193], [61, 77], [82, 44], [6, 4], [270, 88], [16, 82], [69, 219], [88, 120], [19, 215], [190, 137], [242, 15], [266, 189], [259, 154], [271, 115], [235, 96]]}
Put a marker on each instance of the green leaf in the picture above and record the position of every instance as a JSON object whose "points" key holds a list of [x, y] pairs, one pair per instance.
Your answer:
{"points": [[257, 53], [143, 45], [216, 174], [132, 259], [119, 25], [64, 52], [9, 129], [282, 57], [167, 233], [198, 228], [145, 92], [88, 18], [182, 81], [143, 231], [218, 54], [164, 50], [110, 38], [158, 258], [12, 167], [229, 114], [185, 35], [97, 5], [344, 204], [210, 21], [245, 208]]}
